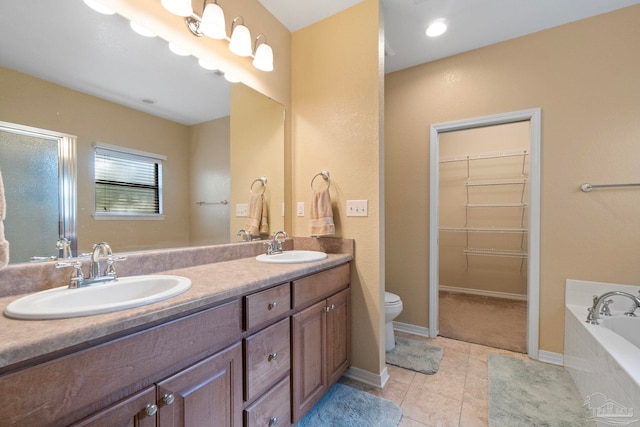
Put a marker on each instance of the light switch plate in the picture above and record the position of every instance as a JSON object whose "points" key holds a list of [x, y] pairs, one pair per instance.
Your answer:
{"points": [[242, 210], [357, 208], [300, 209]]}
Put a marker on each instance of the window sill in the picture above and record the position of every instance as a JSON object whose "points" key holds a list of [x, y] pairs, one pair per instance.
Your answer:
{"points": [[126, 217]]}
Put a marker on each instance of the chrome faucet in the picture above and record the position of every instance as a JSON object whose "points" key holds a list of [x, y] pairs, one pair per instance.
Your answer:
{"points": [[244, 235], [78, 279], [275, 245], [64, 248], [599, 301]]}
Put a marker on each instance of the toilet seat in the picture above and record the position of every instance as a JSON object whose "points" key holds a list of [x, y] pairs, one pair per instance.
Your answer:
{"points": [[391, 299]]}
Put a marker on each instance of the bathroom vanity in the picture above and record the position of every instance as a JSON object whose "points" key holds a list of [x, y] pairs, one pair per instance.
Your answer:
{"points": [[250, 344]]}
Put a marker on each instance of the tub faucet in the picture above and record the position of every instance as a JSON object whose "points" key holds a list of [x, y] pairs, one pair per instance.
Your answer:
{"points": [[598, 301]]}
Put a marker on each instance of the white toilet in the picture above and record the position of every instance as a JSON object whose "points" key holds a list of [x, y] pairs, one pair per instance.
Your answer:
{"points": [[392, 308]]}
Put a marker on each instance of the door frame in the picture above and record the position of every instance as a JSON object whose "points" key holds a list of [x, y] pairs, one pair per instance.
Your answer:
{"points": [[534, 117]]}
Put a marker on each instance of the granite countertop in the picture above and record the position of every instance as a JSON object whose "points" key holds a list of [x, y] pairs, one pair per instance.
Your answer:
{"points": [[22, 340]]}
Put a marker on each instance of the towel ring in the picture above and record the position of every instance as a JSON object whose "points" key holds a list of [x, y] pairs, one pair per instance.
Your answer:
{"points": [[324, 175], [263, 180]]}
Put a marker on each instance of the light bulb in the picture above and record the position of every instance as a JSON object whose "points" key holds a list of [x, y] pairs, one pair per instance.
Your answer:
{"points": [[178, 50], [213, 24], [263, 59], [207, 65], [98, 7], [178, 7], [231, 78], [240, 43], [141, 30]]}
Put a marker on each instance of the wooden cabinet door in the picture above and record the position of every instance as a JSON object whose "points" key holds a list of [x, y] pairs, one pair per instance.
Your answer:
{"points": [[308, 369], [338, 335], [129, 412], [207, 394]]}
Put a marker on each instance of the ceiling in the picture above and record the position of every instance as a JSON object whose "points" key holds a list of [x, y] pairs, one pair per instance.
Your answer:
{"points": [[71, 45], [472, 23]]}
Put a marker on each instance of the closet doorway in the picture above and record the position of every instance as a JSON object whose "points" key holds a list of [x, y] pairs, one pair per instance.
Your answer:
{"points": [[484, 228]]}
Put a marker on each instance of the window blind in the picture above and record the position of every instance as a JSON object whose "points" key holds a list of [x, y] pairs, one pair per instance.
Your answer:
{"points": [[127, 183]]}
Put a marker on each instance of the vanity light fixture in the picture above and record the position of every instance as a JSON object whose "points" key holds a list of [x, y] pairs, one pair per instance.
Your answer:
{"points": [[98, 7], [240, 43], [178, 50], [263, 56], [231, 78], [207, 65], [141, 30], [178, 7], [212, 24], [436, 28]]}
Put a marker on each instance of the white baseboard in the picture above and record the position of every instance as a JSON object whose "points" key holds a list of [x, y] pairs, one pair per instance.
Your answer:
{"points": [[482, 292], [550, 357], [411, 329], [367, 377]]}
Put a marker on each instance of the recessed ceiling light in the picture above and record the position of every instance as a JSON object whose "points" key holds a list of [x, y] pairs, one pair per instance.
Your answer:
{"points": [[98, 7], [436, 28]]}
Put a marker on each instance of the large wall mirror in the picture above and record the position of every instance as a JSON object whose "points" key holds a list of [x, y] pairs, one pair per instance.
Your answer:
{"points": [[77, 72]]}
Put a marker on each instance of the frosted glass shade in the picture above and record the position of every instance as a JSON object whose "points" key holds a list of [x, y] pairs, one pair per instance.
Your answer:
{"points": [[240, 43], [178, 7], [263, 59], [213, 24]]}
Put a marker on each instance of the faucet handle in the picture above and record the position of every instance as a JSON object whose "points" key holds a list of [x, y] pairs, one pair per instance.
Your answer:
{"points": [[110, 270], [77, 277]]}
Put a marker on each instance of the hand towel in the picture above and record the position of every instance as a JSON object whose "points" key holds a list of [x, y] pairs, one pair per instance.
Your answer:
{"points": [[321, 223], [257, 210], [4, 245], [264, 222]]}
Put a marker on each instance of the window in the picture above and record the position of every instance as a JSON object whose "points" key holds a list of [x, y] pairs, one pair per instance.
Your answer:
{"points": [[127, 182]]}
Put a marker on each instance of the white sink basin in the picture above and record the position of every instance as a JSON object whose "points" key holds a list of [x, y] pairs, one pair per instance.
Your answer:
{"points": [[126, 292], [292, 257]]}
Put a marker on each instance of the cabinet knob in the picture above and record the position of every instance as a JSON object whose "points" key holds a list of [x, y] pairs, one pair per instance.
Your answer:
{"points": [[168, 399], [273, 421], [272, 305], [150, 409], [272, 356]]}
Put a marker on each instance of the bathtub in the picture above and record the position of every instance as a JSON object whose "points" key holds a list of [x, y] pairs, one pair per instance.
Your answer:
{"points": [[604, 359]]}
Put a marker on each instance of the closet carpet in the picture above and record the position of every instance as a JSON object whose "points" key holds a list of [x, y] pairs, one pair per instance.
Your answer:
{"points": [[493, 322]]}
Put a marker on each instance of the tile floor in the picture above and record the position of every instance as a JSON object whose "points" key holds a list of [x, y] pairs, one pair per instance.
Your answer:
{"points": [[457, 395]]}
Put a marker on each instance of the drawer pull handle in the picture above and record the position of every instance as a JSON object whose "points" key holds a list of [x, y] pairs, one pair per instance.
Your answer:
{"points": [[272, 305], [273, 421], [150, 409], [272, 356], [168, 398]]}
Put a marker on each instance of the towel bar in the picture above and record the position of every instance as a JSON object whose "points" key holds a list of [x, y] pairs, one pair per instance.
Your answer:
{"points": [[324, 175], [263, 180]]}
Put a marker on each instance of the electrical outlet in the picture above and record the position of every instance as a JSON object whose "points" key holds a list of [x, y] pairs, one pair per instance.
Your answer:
{"points": [[357, 208], [242, 210], [300, 209]]}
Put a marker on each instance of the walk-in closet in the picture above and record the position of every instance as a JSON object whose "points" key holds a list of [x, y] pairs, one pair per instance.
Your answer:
{"points": [[483, 230]]}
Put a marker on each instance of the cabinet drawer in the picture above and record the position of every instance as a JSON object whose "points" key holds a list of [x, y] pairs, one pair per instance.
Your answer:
{"points": [[266, 305], [272, 409], [267, 358], [313, 288]]}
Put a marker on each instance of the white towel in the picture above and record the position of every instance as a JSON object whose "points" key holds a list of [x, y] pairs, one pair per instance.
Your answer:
{"points": [[4, 245], [321, 223]]}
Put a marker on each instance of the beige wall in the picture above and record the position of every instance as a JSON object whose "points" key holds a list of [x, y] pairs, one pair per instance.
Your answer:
{"points": [[584, 77], [336, 100], [257, 149], [209, 181], [33, 102], [488, 273]]}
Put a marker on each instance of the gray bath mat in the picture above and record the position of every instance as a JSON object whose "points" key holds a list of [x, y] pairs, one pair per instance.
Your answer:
{"points": [[531, 393], [344, 406], [416, 355]]}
